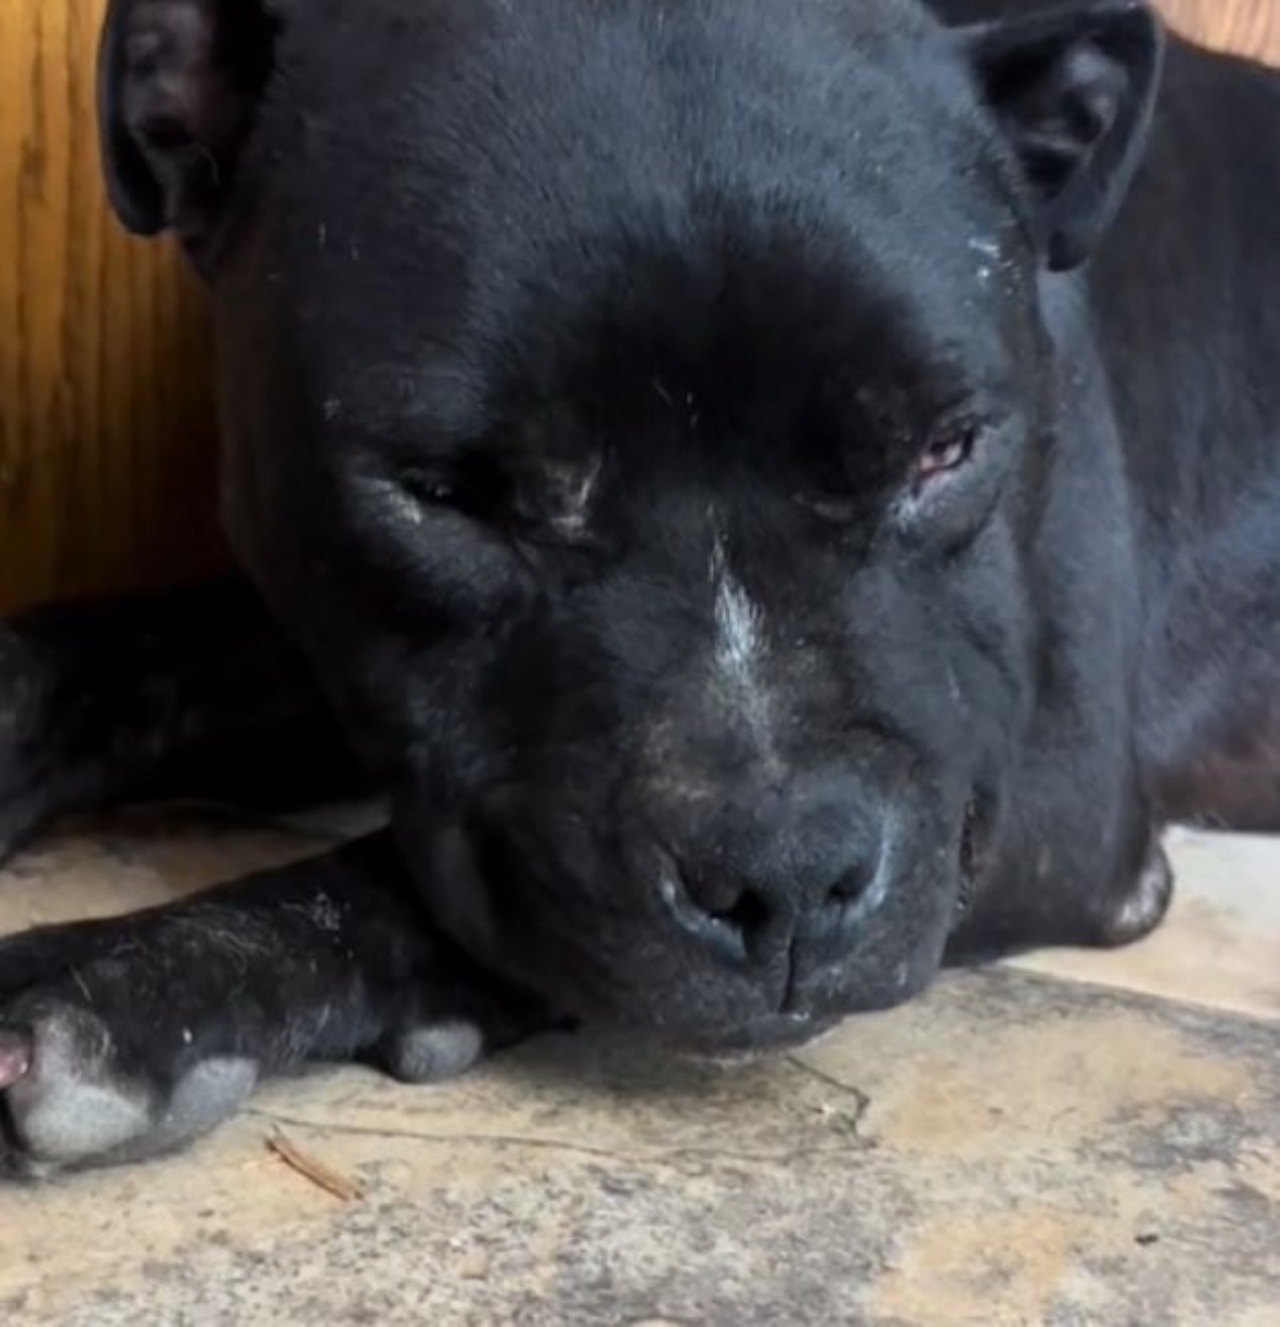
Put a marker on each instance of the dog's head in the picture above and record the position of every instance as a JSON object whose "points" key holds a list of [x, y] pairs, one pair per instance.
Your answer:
{"points": [[638, 410]]}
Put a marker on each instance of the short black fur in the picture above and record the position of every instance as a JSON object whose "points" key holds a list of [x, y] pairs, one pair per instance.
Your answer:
{"points": [[776, 501]]}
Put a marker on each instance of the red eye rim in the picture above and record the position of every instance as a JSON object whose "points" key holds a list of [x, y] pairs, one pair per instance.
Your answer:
{"points": [[949, 451]]}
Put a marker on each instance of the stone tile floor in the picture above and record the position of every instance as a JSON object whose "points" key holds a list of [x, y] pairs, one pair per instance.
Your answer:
{"points": [[1078, 1139]]}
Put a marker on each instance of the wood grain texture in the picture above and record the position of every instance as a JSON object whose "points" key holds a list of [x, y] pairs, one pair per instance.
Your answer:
{"points": [[106, 425], [1249, 27]]}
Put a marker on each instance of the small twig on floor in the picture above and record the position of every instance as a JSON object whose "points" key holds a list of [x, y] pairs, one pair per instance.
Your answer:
{"points": [[322, 1176]]}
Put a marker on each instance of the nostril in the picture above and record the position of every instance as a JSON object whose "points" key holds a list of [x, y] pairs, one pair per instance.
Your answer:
{"points": [[723, 914], [749, 913], [849, 888]]}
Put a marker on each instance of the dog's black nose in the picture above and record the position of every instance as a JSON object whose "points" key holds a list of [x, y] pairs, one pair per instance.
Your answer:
{"points": [[767, 873]]}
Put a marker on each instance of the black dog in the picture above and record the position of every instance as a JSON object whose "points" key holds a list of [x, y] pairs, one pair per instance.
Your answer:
{"points": [[778, 497]]}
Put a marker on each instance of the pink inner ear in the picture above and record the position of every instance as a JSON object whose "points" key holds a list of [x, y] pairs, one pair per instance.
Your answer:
{"points": [[15, 1057]]}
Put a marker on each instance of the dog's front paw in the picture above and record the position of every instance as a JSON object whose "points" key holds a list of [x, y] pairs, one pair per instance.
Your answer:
{"points": [[96, 1065], [127, 1038], [72, 1096]]}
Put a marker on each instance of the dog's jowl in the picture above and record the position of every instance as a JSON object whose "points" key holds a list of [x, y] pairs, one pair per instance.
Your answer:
{"points": [[778, 497]]}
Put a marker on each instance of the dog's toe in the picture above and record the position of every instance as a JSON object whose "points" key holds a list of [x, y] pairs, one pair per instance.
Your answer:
{"points": [[434, 1052]]}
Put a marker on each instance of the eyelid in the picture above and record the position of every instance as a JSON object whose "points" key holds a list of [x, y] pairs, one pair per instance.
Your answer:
{"points": [[428, 483], [959, 498], [965, 415]]}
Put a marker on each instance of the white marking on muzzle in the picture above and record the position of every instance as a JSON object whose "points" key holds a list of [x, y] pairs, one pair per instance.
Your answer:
{"points": [[741, 650], [575, 490]]}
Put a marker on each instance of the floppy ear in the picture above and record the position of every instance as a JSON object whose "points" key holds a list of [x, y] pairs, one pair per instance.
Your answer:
{"points": [[178, 83], [1073, 86]]}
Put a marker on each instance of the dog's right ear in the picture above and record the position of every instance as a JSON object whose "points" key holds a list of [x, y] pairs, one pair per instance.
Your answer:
{"points": [[178, 84], [1073, 85]]}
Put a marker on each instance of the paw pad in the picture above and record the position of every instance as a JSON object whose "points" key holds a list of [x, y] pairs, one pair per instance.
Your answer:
{"points": [[435, 1052]]}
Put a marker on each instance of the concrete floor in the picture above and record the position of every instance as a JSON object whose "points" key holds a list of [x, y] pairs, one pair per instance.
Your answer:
{"points": [[1081, 1139]]}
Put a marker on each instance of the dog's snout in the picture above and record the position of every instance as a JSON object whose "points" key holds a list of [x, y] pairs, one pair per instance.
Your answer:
{"points": [[771, 873]]}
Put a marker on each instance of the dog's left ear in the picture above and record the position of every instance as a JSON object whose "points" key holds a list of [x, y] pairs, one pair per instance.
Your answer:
{"points": [[1073, 86], [178, 84]]}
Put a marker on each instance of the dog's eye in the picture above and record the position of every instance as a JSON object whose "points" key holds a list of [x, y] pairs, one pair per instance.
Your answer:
{"points": [[470, 488], [431, 490], [949, 450]]}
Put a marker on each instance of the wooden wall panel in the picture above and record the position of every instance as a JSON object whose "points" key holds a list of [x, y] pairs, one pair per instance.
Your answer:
{"points": [[1251, 27], [106, 431]]}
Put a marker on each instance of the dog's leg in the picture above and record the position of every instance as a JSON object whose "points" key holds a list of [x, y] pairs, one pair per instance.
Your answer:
{"points": [[191, 693], [124, 1038]]}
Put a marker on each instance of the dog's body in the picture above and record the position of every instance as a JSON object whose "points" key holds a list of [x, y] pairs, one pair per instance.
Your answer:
{"points": [[776, 501]]}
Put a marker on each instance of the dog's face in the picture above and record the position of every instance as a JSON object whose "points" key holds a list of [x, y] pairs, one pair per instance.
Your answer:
{"points": [[639, 412]]}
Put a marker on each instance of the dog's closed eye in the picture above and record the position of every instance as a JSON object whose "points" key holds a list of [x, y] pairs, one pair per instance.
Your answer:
{"points": [[468, 486]]}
